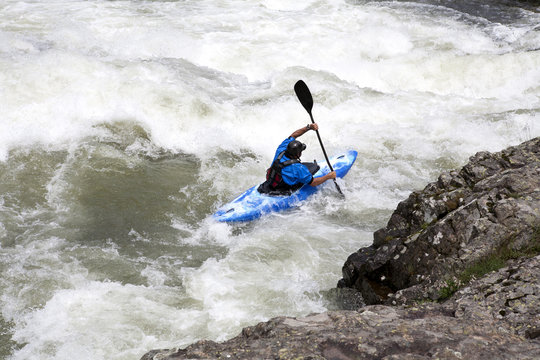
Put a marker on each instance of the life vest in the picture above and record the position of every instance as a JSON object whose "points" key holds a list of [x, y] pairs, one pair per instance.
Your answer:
{"points": [[274, 183]]}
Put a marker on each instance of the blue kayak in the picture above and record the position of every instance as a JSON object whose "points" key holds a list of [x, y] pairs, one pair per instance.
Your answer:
{"points": [[252, 205]]}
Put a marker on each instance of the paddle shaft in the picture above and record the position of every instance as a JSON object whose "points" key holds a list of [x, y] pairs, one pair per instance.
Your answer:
{"points": [[324, 152], [320, 142], [304, 95]]}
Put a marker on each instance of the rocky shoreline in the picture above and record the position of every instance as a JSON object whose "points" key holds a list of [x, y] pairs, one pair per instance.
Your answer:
{"points": [[487, 212], [455, 274]]}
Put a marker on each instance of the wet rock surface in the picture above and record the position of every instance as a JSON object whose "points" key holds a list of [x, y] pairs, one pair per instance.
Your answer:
{"points": [[490, 209], [454, 275]]}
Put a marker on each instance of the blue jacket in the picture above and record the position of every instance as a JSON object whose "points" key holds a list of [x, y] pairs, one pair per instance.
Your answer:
{"points": [[294, 173]]}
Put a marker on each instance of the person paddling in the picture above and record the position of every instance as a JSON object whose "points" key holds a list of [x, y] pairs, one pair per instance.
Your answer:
{"points": [[287, 174]]}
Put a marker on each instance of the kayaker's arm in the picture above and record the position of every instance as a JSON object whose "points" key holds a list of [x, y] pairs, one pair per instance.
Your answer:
{"points": [[305, 129], [319, 180]]}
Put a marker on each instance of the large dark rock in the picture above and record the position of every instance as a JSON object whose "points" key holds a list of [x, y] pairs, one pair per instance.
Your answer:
{"points": [[490, 209]]}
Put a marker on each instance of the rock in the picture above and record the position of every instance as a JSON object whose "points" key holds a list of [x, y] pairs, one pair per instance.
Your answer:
{"points": [[488, 209], [511, 294], [343, 299]]}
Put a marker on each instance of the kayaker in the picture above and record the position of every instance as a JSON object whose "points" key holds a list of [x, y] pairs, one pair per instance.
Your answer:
{"points": [[287, 174]]}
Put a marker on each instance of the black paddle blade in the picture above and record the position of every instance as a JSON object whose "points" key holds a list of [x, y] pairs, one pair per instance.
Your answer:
{"points": [[304, 95]]}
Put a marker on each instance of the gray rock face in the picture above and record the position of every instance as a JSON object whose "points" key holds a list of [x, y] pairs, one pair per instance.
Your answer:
{"points": [[510, 296], [488, 209], [487, 213]]}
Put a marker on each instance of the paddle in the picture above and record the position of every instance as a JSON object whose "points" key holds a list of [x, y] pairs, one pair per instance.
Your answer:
{"points": [[304, 95]]}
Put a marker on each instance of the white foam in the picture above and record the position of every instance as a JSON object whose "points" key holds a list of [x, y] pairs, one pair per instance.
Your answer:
{"points": [[266, 273], [56, 96], [102, 321], [283, 5]]}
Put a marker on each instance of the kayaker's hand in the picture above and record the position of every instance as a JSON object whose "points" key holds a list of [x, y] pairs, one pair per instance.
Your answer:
{"points": [[314, 126], [332, 175]]}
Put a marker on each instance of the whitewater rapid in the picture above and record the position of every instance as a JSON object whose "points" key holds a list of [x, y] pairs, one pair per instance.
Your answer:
{"points": [[125, 124]]}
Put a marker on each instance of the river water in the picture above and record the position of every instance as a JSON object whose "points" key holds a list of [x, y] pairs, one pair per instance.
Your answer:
{"points": [[125, 124]]}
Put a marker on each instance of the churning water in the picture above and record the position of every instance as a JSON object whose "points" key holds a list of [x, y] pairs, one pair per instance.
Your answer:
{"points": [[125, 124]]}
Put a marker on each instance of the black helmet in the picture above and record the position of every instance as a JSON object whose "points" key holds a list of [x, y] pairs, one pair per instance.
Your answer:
{"points": [[295, 148]]}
